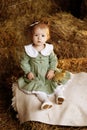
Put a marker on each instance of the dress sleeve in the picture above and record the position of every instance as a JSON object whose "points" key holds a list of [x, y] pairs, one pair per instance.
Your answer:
{"points": [[53, 61], [25, 64]]}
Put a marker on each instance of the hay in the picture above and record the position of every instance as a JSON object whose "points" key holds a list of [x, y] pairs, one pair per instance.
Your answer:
{"points": [[73, 65], [14, 8], [68, 35]]}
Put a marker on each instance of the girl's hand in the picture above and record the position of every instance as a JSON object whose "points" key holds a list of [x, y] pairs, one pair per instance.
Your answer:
{"points": [[50, 74], [30, 76]]}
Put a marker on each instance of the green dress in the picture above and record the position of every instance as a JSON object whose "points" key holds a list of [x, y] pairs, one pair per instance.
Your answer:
{"points": [[38, 63]]}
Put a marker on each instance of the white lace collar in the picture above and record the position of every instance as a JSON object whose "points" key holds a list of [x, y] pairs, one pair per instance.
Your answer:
{"points": [[32, 52]]}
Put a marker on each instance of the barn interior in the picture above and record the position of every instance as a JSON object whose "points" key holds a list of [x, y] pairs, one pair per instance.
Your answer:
{"points": [[68, 21]]}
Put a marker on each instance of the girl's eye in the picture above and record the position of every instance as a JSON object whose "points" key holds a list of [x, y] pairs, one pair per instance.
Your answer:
{"points": [[35, 35], [43, 35]]}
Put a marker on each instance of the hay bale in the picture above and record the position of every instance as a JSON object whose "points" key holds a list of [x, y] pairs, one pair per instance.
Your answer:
{"points": [[14, 8], [69, 35], [74, 64]]}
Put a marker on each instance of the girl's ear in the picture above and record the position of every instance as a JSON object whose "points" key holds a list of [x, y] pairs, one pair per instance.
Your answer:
{"points": [[48, 36]]}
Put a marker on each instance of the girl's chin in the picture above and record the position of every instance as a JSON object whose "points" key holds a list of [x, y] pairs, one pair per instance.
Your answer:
{"points": [[39, 44]]}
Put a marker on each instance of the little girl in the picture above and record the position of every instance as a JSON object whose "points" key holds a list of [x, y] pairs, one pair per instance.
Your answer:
{"points": [[39, 65]]}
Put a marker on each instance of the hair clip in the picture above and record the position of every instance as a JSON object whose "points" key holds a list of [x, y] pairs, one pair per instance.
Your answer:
{"points": [[35, 23]]}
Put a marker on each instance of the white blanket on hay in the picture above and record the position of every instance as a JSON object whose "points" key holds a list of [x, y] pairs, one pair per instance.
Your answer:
{"points": [[73, 111]]}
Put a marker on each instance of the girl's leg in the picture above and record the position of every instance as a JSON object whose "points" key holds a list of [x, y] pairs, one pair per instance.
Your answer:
{"points": [[59, 94], [46, 103]]}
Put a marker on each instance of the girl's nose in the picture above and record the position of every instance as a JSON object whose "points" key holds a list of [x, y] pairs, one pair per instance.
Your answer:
{"points": [[39, 37]]}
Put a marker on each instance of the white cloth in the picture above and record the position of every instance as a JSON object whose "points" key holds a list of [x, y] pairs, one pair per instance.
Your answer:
{"points": [[73, 111]]}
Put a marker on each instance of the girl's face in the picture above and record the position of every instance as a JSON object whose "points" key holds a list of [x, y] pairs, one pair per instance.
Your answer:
{"points": [[40, 36]]}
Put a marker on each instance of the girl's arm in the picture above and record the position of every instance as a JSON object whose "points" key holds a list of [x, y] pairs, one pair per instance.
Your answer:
{"points": [[52, 66], [53, 61], [25, 64]]}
